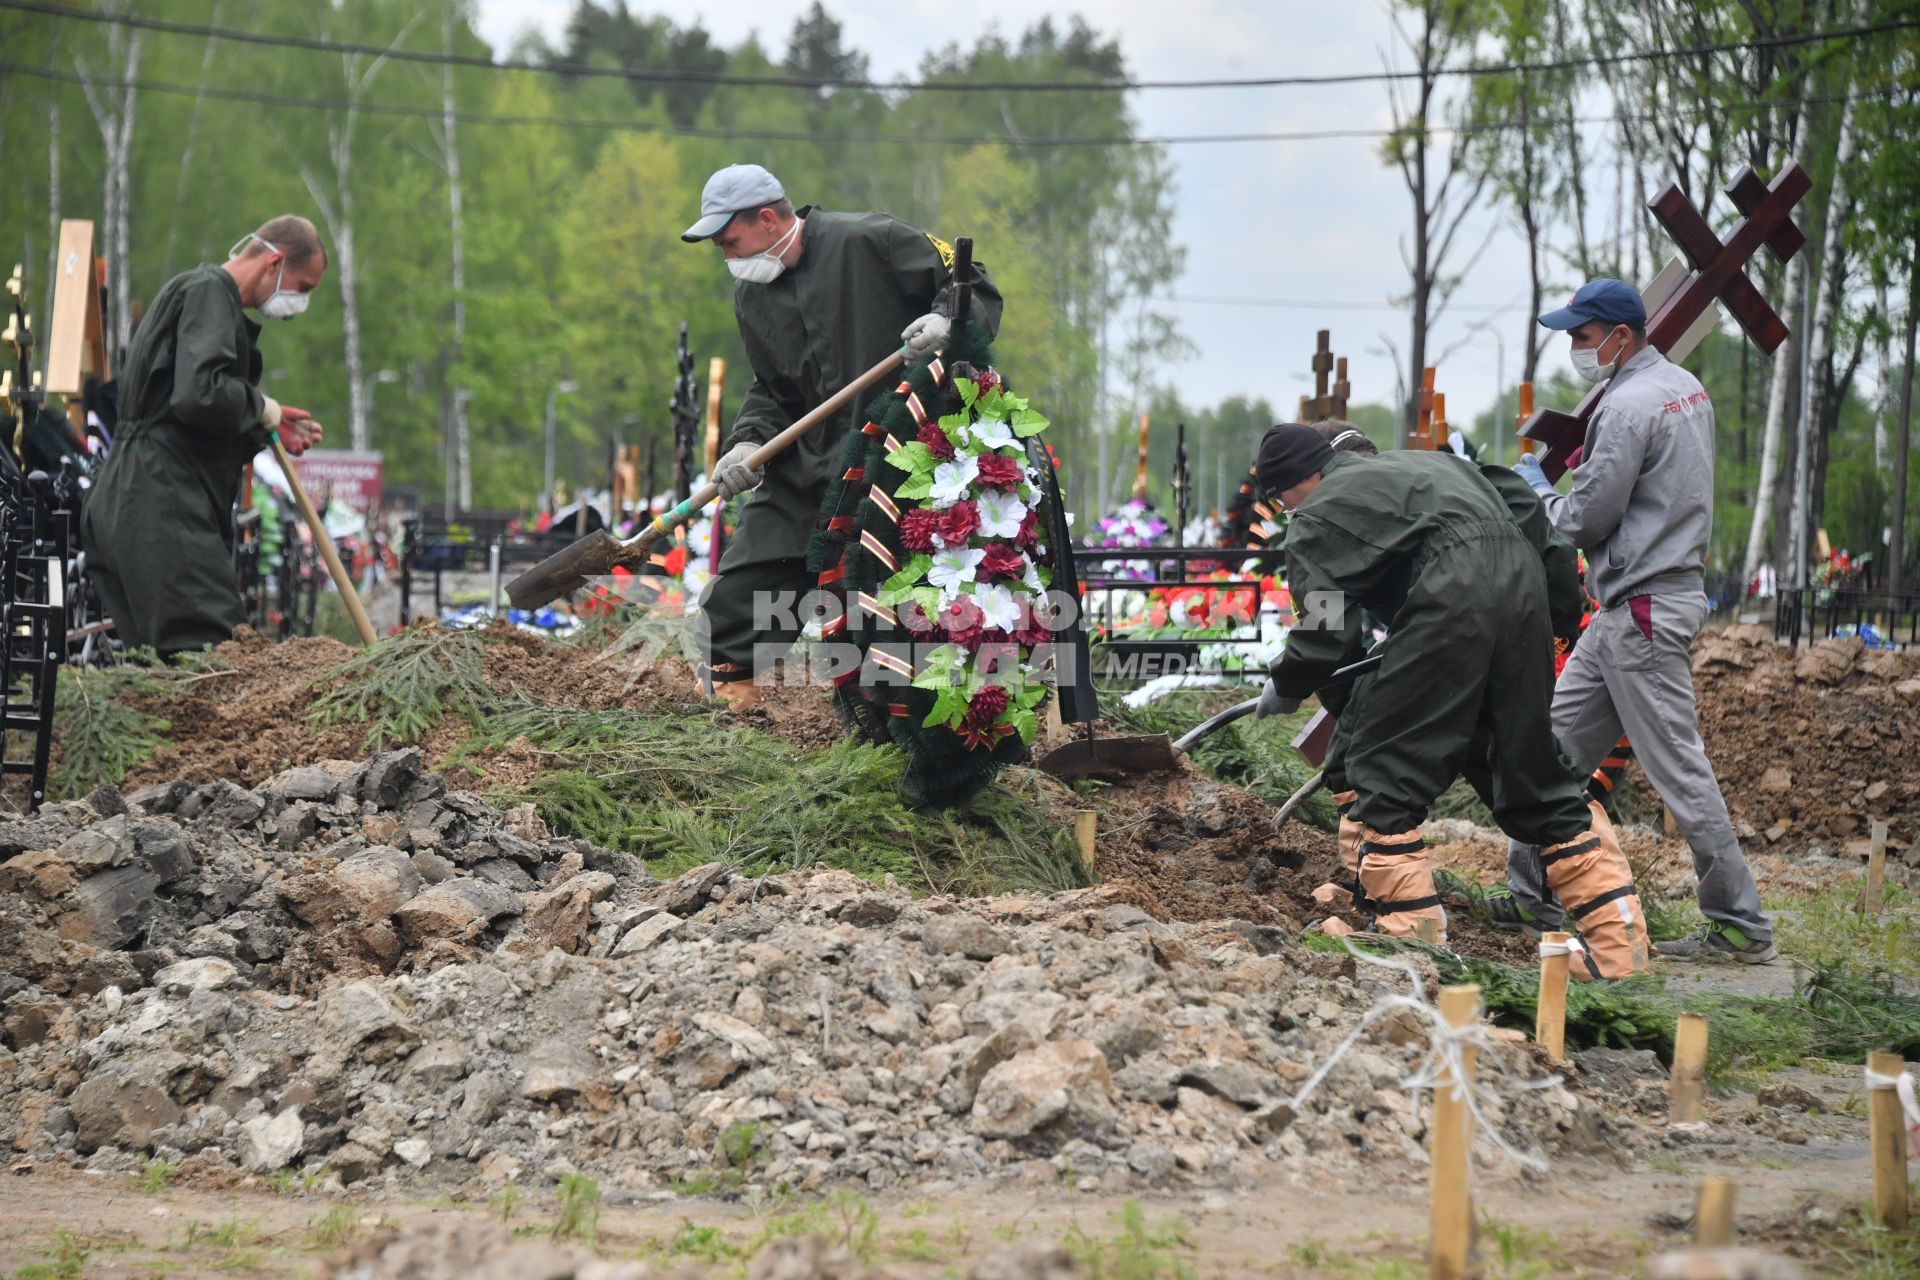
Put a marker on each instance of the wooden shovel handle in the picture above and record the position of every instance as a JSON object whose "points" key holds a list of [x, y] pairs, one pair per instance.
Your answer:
{"points": [[341, 579], [636, 547]]}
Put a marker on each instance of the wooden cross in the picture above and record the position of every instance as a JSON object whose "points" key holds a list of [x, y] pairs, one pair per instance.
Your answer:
{"points": [[1329, 400], [1422, 437], [1718, 275]]}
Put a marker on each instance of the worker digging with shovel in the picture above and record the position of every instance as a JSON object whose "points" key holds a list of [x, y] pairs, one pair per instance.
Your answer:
{"points": [[819, 297], [1433, 552]]}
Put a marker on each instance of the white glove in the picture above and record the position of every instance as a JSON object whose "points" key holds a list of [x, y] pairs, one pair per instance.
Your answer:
{"points": [[732, 475], [1272, 704], [924, 336]]}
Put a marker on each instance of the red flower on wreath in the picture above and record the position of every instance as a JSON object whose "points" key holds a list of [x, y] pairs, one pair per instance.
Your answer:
{"points": [[918, 526], [963, 622], [963, 520], [998, 471], [1029, 536], [936, 440], [987, 705], [1002, 561]]}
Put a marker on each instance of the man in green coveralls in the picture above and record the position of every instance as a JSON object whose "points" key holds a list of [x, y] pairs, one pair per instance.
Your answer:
{"points": [[1432, 550], [158, 525], [821, 297]]}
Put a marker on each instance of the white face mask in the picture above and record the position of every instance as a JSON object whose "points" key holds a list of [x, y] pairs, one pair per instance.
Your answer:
{"points": [[1586, 363], [764, 267], [281, 304]]}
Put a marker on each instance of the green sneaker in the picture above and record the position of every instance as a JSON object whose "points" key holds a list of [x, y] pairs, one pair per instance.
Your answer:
{"points": [[1506, 914], [1720, 939]]}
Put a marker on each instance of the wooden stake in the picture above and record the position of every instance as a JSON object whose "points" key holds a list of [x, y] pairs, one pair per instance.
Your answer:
{"points": [[1427, 929], [1713, 1216], [716, 385], [1876, 867], [1550, 1014], [1526, 411], [1450, 1243], [1887, 1140], [1687, 1087], [1085, 823]]}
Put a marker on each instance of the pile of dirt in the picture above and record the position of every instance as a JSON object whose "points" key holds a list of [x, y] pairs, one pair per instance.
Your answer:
{"points": [[352, 968], [1811, 746], [1180, 846]]}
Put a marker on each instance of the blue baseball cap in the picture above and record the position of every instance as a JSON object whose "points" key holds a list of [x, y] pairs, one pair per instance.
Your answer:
{"points": [[1609, 301], [730, 190]]}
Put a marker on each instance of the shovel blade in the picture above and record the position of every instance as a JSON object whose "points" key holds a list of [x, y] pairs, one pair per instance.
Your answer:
{"points": [[565, 570], [1111, 757]]}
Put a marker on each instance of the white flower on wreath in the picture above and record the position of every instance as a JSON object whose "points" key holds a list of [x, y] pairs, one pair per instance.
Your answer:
{"points": [[998, 607], [950, 481], [1000, 514], [1030, 575], [953, 567], [991, 433]]}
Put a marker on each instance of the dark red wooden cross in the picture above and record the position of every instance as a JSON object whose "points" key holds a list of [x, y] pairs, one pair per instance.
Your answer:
{"points": [[1719, 275]]}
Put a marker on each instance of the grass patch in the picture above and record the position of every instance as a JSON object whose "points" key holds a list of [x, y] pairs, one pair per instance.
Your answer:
{"points": [[156, 1176], [65, 1257], [1862, 1251], [577, 1215], [1826, 929], [403, 685], [336, 1228], [1140, 1250], [1255, 754], [682, 790], [1838, 1013]]}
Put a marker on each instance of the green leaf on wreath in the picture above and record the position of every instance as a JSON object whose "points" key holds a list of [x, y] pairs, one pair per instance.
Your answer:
{"points": [[969, 391], [928, 598], [901, 584], [1028, 422], [949, 708], [914, 457], [1026, 724], [918, 485]]}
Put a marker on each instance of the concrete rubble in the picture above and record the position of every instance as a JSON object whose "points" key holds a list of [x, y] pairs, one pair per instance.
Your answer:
{"points": [[350, 969]]}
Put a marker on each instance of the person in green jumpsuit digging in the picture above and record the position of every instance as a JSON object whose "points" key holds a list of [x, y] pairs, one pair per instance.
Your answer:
{"points": [[820, 298], [1431, 549], [158, 525]]}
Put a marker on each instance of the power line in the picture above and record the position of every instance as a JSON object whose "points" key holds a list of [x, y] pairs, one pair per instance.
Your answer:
{"points": [[1297, 304], [318, 44], [434, 112]]}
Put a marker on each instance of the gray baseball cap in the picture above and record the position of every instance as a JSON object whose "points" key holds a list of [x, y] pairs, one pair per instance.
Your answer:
{"points": [[736, 187]]}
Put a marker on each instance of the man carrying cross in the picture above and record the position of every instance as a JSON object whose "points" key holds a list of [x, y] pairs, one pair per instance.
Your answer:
{"points": [[1642, 510]]}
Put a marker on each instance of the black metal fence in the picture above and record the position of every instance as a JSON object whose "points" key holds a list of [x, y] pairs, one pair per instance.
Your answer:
{"points": [[1819, 612]]}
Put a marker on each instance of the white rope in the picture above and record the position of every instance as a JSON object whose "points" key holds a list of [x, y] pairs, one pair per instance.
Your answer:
{"points": [[1444, 1060], [1901, 1084], [1571, 947]]}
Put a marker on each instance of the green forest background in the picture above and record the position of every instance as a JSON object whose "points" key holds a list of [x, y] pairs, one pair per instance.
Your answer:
{"points": [[573, 190]]}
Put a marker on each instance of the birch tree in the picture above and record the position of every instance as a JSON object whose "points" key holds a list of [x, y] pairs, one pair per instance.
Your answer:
{"points": [[112, 99], [332, 196]]}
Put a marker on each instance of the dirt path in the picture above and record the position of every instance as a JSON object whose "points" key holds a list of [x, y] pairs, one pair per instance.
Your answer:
{"points": [[1594, 1219]]}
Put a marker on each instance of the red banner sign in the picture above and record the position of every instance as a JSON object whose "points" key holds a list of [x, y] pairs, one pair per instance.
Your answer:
{"points": [[342, 475]]}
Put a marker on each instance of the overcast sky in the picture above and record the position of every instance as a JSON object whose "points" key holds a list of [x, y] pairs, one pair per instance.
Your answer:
{"points": [[1285, 222]]}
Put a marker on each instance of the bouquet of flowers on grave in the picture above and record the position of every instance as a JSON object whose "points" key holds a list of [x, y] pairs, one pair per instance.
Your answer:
{"points": [[1135, 524], [935, 547]]}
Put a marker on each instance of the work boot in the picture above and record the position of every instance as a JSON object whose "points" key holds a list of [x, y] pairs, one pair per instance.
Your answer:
{"points": [[1720, 939], [1396, 879], [1591, 878], [1507, 915]]}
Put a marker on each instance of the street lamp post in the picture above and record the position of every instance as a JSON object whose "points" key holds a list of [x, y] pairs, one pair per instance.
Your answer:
{"points": [[367, 385], [564, 387]]}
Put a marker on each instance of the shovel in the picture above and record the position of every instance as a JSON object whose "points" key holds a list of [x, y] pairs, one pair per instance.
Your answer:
{"points": [[1092, 757], [595, 555]]}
